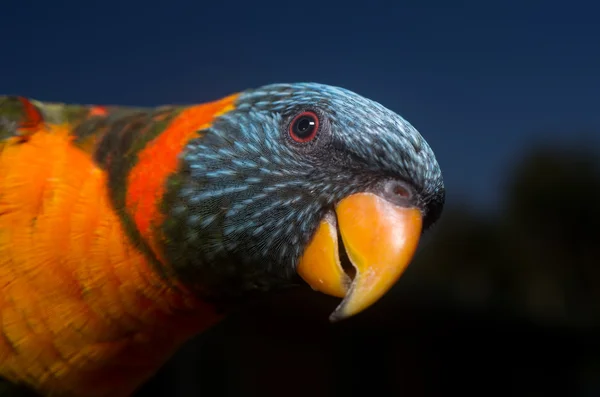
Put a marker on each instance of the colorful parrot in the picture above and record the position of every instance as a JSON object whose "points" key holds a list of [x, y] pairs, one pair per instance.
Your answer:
{"points": [[126, 231]]}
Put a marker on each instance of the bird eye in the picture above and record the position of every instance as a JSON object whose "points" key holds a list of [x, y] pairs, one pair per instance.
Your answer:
{"points": [[304, 127]]}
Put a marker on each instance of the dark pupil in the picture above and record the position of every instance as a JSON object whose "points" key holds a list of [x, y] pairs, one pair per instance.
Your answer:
{"points": [[304, 126]]}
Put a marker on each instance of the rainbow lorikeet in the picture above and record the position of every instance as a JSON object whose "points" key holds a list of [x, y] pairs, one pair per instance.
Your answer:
{"points": [[123, 231]]}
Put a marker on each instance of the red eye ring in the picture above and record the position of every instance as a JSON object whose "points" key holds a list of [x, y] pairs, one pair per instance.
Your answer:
{"points": [[304, 127]]}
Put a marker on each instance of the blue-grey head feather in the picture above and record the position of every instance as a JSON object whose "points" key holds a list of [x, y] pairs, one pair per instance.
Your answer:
{"points": [[247, 198]]}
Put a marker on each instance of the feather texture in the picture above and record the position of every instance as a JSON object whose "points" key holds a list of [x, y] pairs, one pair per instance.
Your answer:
{"points": [[122, 229], [82, 312]]}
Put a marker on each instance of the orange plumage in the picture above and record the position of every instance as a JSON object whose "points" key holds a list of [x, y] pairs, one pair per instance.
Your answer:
{"points": [[82, 310], [124, 231]]}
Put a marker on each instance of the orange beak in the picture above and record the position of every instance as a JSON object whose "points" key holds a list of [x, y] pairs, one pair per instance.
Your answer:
{"points": [[380, 239]]}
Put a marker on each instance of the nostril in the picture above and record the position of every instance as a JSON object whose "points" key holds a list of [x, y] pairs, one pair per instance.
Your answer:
{"points": [[400, 191], [397, 191]]}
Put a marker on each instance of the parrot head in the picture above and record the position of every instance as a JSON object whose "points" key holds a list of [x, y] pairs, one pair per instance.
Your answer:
{"points": [[301, 182]]}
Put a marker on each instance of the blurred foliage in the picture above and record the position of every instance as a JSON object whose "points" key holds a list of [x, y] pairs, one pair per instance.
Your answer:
{"points": [[540, 255], [503, 303]]}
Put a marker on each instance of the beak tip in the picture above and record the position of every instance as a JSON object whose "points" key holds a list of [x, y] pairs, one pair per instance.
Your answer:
{"points": [[340, 313], [336, 317]]}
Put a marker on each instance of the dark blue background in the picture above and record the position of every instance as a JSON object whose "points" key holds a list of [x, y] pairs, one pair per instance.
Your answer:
{"points": [[481, 80]]}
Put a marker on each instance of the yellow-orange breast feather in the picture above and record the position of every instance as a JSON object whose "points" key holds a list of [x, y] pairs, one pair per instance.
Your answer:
{"points": [[76, 293]]}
